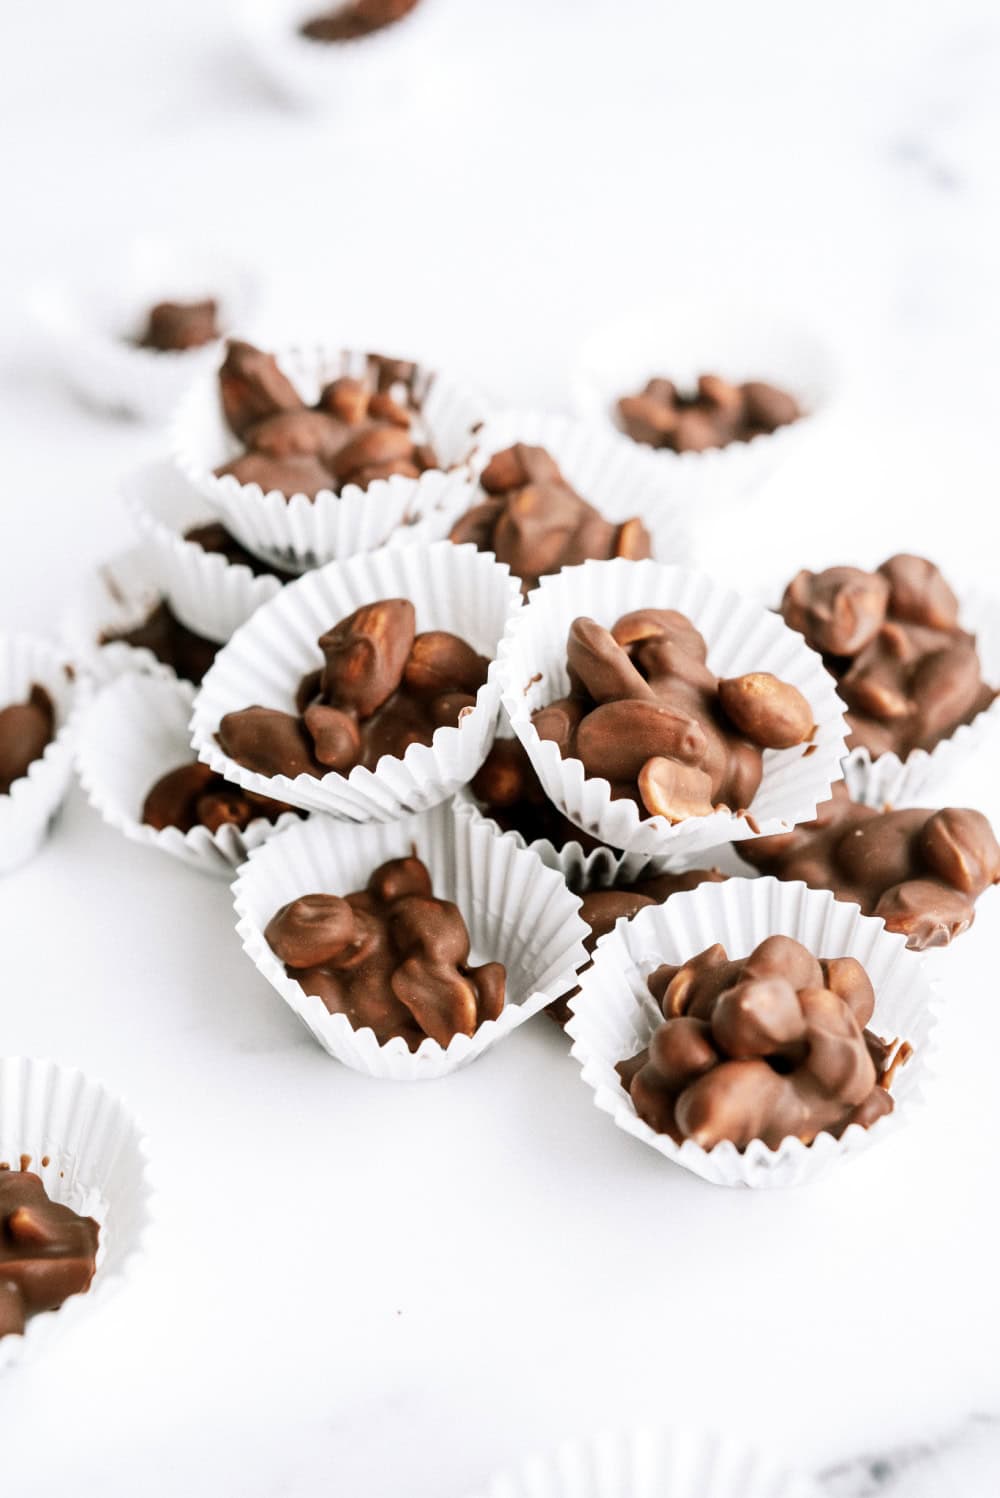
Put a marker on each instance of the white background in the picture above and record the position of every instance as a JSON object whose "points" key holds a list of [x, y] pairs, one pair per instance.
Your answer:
{"points": [[384, 1292]]}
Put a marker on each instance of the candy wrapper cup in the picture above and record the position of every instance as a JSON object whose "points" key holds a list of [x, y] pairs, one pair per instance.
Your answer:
{"points": [[614, 1015], [30, 807], [741, 636], [652, 1463], [131, 733], [118, 596], [91, 332], [298, 532], [518, 912], [452, 587], [92, 1157]]}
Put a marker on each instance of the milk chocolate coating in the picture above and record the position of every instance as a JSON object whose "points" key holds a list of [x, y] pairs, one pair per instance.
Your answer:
{"points": [[175, 326], [907, 671], [648, 715], [382, 688], [764, 1047], [391, 957], [213, 537], [535, 522], [47, 1251], [358, 431], [921, 871], [25, 730], [347, 22], [188, 654], [193, 795], [717, 414]]}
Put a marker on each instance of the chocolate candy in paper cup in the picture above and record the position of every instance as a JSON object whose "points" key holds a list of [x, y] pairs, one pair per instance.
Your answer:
{"points": [[614, 1014], [133, 732], [115, 598], [517, 912], [30, 806], [741, 636], [91, 1157], [299, 532]]}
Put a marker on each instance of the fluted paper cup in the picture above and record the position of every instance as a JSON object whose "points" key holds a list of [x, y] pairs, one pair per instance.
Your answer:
{"points": [[518, 912], [92, 1157], [91, 330], [741, 637], [614, 1015], [117, 596], [298, 532], [451, 587], [134, 731], [652, 1463], [28, 810]]}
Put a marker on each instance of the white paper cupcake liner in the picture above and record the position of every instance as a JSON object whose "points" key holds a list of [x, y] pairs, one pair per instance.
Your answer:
{"points": [[607, 469], [117, 596], [517, 911], [92, 1157], [206, 592], [300, 532], [90, 330], [701, 336], [134, 731], [741, 637], [28, 810], [614, 1014], [452, 587], [652, 1463]]}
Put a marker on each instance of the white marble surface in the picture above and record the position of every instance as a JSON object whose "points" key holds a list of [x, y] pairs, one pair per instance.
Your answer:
{"points": [[381, 1292]]}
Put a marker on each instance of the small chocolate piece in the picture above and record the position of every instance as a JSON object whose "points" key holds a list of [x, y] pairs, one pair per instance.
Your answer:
{"points": [[391, 957], [47, 1251], [213, 537], [763, 1048], [535, 522], [345, 23], [252, 387], [193, 795], [717, 414], [921, 871], [178, 647], [173, 326], [25, 730]]}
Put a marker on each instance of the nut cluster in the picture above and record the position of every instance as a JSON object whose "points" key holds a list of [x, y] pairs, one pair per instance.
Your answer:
{"points": [[765, 1047], [382, 688], [359, 18], [175, 326], [188, 654], [910, 675], [534, 521], [921, 871], [214, 538], [647, 714], [194, 796], [393, 958], [717, 414], [47, 1251], [358, 431], [25, 730]]}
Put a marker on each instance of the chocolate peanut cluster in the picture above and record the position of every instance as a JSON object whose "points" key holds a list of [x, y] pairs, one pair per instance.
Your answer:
{"points": [[194, 796], [26, 728], [646, 713], [393, 958], [358, 431], [766, 1047], [533, 520], [382, 688], [172, 643], [717, 414], [909, 673], [360, 18], [214, 538], [47, 1252], [176, 326], [511, 793], [921, 871]]}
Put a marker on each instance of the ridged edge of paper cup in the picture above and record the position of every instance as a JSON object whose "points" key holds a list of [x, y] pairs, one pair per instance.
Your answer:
{"points": [[132, 732], [652, 1463], [518, 912], [741, 636], [301, 532], [98, 1165], [452, 587], [30, 806], [613, 1014], [118, 595]]}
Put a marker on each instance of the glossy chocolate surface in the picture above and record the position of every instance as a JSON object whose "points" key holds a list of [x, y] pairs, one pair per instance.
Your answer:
{"points": [[47, 1252]]}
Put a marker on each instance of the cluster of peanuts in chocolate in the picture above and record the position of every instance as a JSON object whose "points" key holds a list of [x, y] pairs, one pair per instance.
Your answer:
{"points": [[768, 1046], [358, 431], [344, 23], [25, 730], [647, 714], [533, 520], [392, 958], [921, 871], [715, 415], [172, 327], [909, 673], [193, 795], [382, 687], [47, 1251]]}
